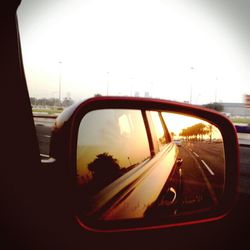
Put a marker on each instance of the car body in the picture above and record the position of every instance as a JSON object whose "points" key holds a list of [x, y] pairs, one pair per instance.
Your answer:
{"points": [[142, 152], [146, 154]]}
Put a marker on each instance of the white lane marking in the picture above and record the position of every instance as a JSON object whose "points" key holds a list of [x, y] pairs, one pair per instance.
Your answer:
{"points": [[209, 186], [196, 154], [208, 168]]}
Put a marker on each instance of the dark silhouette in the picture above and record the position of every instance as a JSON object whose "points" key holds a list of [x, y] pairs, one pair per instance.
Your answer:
{"points": [[105, 169], [215, 106]]}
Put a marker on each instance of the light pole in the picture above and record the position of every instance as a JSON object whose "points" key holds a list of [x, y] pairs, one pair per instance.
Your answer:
{"points": [[60, 79], [215, 94]]}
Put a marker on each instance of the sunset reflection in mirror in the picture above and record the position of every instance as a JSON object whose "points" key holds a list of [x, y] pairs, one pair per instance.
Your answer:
{"points": [[134, 164]]}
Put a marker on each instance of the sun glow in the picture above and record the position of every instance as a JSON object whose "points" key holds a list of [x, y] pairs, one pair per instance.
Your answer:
{"points": [[177, 122], [165, 48]]}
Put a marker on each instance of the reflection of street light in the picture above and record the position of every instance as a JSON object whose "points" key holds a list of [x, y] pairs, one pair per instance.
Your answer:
{"points": [[210, 132], [60, 88], [129, 161]]}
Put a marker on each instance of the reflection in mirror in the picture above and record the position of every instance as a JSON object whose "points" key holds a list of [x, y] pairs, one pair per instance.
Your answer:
{"points": [[134, 164]]}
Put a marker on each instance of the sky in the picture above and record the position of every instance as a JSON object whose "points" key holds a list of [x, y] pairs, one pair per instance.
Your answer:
{"points": [[177, 122], [194, 51]]}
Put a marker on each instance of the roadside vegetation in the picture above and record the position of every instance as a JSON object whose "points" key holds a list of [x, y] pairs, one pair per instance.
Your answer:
{"points": [[49, 106], [244, 120], [47, 111]]}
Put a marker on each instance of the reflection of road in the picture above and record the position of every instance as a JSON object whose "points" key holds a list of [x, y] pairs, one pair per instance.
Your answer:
{"points": [[203, 174]]}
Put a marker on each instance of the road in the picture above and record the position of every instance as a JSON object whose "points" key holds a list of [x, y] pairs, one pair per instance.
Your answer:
{"points": [[203, 174], [43, 131], [245, 170]]}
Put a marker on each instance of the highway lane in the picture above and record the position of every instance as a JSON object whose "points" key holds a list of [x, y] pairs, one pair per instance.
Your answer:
{"points": [[201, 186], [211, 158]]}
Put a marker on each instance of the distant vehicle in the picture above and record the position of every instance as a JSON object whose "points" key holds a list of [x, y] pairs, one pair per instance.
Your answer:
{"points": [[177, 142], [242, 129]]}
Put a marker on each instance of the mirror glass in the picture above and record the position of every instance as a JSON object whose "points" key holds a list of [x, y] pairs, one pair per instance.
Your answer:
{"points": [[138, 164]]}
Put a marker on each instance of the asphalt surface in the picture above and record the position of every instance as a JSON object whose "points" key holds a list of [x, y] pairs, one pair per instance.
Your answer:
{"points": [[203, 174], [245, 170], [43, 131]]}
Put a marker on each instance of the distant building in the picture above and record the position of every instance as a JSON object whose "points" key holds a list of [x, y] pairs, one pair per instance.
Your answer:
{"points": [[235, 109], [137, 94], [147, 94]]}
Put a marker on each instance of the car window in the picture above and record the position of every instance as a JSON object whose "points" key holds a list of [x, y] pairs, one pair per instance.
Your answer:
{"points": [[158, 133], [118, 174], [115, 136]]}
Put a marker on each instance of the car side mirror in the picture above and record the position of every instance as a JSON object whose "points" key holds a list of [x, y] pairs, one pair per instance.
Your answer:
{"points": [[136, 163]]}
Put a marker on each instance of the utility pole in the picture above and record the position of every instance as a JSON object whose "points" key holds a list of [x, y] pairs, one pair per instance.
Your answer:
{"points": [[60, 79], [215, 95]]}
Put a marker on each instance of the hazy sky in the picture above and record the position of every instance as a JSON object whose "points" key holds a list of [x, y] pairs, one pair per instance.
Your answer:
{"points": [[174, 49]]}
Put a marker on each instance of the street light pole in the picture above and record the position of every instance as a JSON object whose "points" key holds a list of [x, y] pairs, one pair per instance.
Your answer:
{"points": [[60, 79], [215, 95]]}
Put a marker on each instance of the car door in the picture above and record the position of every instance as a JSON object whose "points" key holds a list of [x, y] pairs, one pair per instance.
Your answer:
{"points": [[118, 158]]}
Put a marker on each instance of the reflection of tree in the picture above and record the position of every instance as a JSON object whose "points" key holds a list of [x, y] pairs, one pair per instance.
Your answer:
{"points": [[104, 169], [196, 131]]}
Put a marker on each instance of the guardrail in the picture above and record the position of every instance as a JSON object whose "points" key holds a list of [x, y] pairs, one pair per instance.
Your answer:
{"points": [[45, 116], [44, 120]]}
